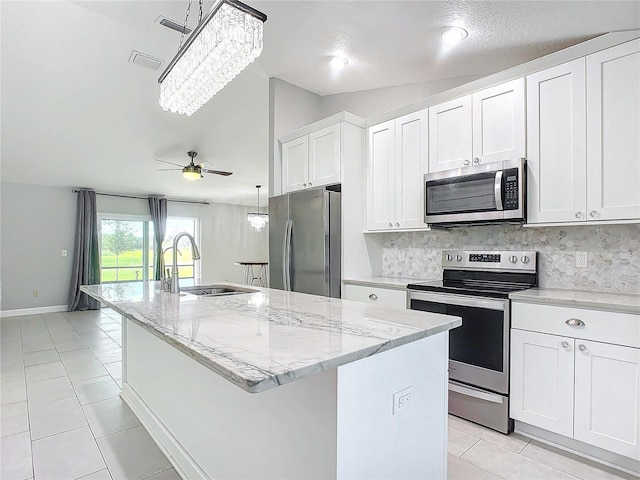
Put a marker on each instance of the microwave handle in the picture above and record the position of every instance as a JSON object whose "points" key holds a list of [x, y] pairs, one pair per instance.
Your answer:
{"points": [[497, 189]]}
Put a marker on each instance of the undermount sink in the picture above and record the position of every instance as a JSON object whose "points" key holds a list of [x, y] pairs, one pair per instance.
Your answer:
{"points": [[215, 290]]}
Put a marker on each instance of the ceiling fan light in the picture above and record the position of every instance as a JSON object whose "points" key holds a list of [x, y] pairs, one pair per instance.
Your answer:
{"points": [[192, 172]]}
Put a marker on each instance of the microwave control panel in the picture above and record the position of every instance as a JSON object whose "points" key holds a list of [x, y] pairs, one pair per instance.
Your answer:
{"points": [[511, 189]]}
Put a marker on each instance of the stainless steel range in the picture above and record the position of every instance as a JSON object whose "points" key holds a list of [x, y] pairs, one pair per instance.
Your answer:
{"points": [[475, 286]]}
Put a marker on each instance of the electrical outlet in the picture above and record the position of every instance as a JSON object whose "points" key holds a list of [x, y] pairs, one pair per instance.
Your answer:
{"points": [[64, 253], [403, 399], [581, 259], [401, 255], [35, 293]]}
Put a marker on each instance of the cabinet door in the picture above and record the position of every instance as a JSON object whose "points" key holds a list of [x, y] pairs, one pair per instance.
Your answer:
{"points": [[411, 157], [295, 164], [607, 409], [324, 156], [499, 123], [542, 380], [385, 297], [613, 142], [450, 134], [556, 144], [379, 177]]}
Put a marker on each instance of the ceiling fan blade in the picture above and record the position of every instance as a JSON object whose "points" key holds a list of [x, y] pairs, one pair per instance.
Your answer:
{"points": [[170, 163], [167, 169], [217, 172]]}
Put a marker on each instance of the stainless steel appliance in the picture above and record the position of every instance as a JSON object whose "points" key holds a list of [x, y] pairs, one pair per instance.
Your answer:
{"points": [[475, 286], [304, 242], [485, 193]]}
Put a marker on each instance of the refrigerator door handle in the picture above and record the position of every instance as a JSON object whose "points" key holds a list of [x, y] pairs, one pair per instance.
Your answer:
{"points": [[286, 256]]}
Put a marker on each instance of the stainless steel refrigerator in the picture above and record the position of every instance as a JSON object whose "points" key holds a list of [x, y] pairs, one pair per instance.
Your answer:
{"points": [[304, 242]]}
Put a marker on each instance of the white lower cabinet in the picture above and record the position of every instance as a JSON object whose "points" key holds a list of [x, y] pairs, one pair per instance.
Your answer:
{"points": [[574, 386], [385, 297], [542, 381]]}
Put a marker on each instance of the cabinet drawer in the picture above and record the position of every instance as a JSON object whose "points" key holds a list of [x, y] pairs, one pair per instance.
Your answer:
{"points": [[601, 326], [376, 296]]}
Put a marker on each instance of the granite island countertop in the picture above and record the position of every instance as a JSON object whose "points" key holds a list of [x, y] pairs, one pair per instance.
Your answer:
{"points": [[392, 283], [261, 340], [612, 302]]}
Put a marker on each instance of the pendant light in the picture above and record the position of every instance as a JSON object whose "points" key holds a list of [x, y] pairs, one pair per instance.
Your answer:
{"points": [[258, 220], [225, 41]]}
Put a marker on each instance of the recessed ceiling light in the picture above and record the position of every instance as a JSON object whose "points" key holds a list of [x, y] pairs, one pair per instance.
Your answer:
{"points": [[453, 35], [337, 62]]}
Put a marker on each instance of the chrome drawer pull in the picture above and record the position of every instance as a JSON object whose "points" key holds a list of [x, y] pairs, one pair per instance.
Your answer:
{"points": [[565, 344], [575, 322], [583, 348], [373, 296]]}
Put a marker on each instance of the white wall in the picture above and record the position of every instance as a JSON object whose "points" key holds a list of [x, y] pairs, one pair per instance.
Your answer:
{"points": [[38, 222]]}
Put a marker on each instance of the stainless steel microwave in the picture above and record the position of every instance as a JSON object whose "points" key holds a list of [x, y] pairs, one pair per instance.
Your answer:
{"points": [[489, 193]]}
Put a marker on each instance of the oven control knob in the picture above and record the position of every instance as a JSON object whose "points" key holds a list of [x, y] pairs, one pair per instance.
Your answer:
{"points": [[458, 258], [449, 258], [525, 259], [513, 259]]}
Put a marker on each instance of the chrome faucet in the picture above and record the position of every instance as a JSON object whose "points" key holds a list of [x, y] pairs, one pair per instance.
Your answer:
{"points": [[166, 279], [195, 254]]}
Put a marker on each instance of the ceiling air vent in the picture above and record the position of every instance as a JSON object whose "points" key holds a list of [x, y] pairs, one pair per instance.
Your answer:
{"points": [[144, 60], [167, 22]]}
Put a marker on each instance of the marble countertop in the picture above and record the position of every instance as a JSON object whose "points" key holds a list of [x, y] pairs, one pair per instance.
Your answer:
{"points": [[261, 340], [393, 283], [613, 302]]}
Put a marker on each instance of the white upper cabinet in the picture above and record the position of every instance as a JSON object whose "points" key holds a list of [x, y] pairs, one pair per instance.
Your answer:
{"points": [[312, 160], [613, 138], [583, 119], [488, 126], [324, 156], [499, 123], [556, 144], [396, 163], [295, 164], [450, 144]]}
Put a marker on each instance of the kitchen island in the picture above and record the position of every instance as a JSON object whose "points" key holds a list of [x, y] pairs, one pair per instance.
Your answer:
{"points": [[276, 384]]}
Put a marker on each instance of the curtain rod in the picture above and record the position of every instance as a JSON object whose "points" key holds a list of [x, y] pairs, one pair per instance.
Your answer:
{"points": [[144, 198]]}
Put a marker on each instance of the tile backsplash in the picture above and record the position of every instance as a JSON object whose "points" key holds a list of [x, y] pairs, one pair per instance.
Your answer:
{"points": [[613, 253]]}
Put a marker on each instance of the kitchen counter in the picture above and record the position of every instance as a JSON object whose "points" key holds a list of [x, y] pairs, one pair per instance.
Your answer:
{"points": [[269, 338], [361, 389], [611, 302], [394, 283]]}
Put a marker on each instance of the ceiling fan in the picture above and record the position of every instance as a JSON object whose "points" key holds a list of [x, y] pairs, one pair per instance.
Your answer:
{"points": [[192, 171]]}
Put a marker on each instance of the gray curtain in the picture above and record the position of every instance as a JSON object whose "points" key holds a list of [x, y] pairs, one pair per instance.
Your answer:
{"points": [[86, 254], [158, 210]]}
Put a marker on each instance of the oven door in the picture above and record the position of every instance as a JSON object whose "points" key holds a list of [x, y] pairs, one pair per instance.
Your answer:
{"points": [[479, 349]]}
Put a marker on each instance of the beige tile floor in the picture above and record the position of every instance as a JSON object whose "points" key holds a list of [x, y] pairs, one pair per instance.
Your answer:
{"points": [[62, 418]]}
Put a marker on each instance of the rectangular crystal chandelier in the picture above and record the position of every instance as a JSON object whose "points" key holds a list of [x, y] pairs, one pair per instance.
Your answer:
{"points": [[227, 39]]}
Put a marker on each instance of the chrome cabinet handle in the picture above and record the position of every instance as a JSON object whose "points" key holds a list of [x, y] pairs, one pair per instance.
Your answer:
{"points": [[304, 185], [310, 184], [594, 214], [476, 161], [466, 163], [565, 344], [397, 225], [575, 322], [390, 225], [583, 348], [373, 296], [579, 215]]}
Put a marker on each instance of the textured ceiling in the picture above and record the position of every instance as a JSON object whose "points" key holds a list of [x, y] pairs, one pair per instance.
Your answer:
{"points": [[75, 113]]}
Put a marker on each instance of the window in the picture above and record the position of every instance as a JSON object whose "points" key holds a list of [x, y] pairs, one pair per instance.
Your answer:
{"points": [[126, 249]]}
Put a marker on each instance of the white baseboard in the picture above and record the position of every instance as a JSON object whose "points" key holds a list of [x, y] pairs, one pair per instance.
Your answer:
{"points": [[21, 312], [173, 450]]}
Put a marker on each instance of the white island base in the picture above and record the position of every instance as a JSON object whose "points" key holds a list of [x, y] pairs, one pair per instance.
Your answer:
{"points": [[336, 424]]}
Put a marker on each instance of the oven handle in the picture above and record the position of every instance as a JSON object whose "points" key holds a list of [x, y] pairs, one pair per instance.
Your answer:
{"points": [[461, 300], [472, 392]]}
